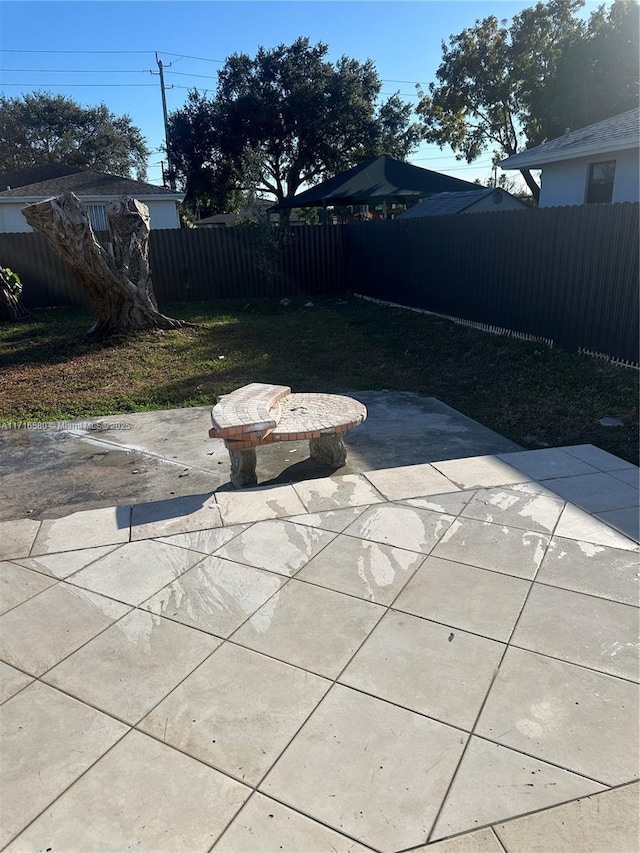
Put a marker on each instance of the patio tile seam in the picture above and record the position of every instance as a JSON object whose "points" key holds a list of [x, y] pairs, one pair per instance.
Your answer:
{"points": [[498, 573], [497, 839], [489, 689], [364, 506], [361, 507], [548, 585], [163, 539], [71, 574], [323, 699], [491, 826], [566, 448], [401, 502], [419, 848], [592, 513], [390, 606], [71, 784], [564, 767], [29, 556], [431, 465], [37, 521], [252, 785], [95, 636], [338, 506], [24, 686], [332, 683], [243, 782], [534, 580], [270, 796], [635, 548], [627, 680], [38, 592], [164, 586], [317, 585], [574, 800]]}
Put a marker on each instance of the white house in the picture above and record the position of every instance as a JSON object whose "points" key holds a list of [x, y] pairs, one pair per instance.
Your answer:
{"points": [[94, 189], [481, 200], [598, 163]]}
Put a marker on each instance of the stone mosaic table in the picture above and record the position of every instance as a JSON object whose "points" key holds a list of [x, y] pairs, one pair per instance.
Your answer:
{"points": [[260, 414]]}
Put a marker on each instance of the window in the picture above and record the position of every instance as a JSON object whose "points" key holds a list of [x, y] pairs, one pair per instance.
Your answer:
{"points": [[98, 216], [600, 183]]}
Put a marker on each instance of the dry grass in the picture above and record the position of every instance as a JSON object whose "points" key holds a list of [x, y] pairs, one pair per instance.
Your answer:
{"points": [[535, 396]]}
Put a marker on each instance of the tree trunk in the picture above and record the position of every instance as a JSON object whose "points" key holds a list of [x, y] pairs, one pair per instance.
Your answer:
{"points": [[531, 183], [11, 308], [283, 218], [120, 286]]}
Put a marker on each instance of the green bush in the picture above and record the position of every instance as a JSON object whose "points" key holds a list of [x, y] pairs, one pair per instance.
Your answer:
{"points": [[10, 281]]}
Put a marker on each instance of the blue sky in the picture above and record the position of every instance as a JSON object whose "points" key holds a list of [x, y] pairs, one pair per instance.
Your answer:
{"points": [[118, 41]]}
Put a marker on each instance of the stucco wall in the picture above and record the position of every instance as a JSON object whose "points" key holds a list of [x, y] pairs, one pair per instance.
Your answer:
{"points": [[565, 183], [163, 212], [11, 219]]}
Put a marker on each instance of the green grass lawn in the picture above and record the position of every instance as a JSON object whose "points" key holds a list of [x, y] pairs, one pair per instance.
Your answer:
{"points": [[535, 396]]}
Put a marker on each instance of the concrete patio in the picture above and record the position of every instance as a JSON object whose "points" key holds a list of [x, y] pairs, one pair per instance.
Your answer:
{"points": [[434, 657]]}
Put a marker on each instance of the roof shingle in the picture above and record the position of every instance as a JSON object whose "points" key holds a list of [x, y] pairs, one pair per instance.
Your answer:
{"points": [[82, 182], [611, 134]]}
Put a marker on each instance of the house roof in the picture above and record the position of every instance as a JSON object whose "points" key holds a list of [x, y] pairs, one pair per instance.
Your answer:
{"points": [[617, 133], [35, 174], [55, 179], [442, 204], [375, 180]]}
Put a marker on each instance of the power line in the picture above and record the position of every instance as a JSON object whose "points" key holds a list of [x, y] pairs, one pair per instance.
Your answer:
{"points": [[199, 58], [114, 52], [74, 71], [124, 71], [90, 85], [189, 74], [85, 52]]}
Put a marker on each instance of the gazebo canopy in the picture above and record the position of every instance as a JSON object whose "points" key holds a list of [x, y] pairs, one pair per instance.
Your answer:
{"points": [[375, 181]]}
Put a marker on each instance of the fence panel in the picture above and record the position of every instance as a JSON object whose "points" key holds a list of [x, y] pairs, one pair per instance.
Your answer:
{"points": [[47, 281], [569, 274], [194, 264]]}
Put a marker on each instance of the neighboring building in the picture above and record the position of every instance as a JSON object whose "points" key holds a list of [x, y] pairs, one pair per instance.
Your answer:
{"points": [[481, 200], [382, 183], [94, 189], [598, 163], [250, 211]]}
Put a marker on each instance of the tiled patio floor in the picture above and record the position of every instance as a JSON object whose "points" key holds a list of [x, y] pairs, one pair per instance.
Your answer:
{"points": [[442, 657]]}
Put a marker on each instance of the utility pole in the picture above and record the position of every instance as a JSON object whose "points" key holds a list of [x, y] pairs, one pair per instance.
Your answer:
{"points": [[172, 180]]}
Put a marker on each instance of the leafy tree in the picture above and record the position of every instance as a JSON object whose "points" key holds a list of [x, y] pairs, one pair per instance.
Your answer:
{"points": [[285, 118], [42, 128], [509, 87], [596, 75], [207, 177]]}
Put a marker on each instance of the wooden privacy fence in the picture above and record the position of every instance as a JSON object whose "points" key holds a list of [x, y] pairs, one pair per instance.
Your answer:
{"points": [[567, 274]]}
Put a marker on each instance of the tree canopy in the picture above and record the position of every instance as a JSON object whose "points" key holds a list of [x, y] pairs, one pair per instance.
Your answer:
{"points": [[41, 128], [284, 118], [510, 87]]}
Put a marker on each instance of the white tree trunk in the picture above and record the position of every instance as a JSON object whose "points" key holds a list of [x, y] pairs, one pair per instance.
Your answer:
{"points": [[120, 286]]}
